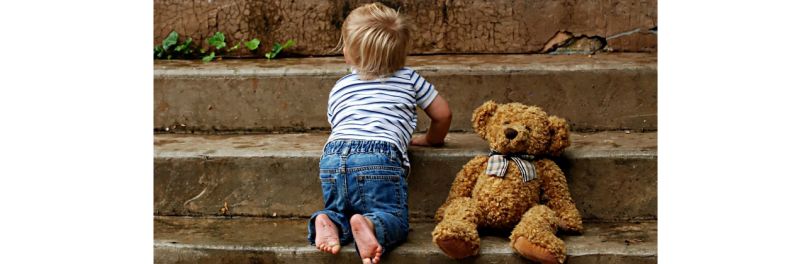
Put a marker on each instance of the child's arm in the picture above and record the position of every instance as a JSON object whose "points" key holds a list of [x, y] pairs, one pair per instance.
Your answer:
{"points": [[440, 114]]}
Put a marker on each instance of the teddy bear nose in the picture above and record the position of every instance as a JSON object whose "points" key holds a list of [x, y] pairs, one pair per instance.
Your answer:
{"points": [[510, 133]]}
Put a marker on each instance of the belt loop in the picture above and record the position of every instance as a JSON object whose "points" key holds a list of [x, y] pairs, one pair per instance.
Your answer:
{"points": [[343, 159], [346, 147], [393, 153]]}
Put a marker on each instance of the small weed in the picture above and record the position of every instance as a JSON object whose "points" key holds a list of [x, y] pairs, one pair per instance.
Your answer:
{"points": [[253, 44], [186, 50], [218, 40], [171, 48], [208, 58], [277, 48]]}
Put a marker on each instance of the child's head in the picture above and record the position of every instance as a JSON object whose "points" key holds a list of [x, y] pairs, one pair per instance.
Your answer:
{"points": [[376, 40]]}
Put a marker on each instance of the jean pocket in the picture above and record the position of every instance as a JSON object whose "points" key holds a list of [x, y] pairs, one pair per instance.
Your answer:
{"points": [[382, 193], [329, 185]]}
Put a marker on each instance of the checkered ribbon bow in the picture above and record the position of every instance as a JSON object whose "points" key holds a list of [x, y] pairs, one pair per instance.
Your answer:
{"points": [[498, 163]]}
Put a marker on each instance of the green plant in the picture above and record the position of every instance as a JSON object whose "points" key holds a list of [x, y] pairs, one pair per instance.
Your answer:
{"points": [[171, 48], [277, 48], [184, 47], [235, 47], [252, 45], [172, 39], [208, 58], [218, 40]]}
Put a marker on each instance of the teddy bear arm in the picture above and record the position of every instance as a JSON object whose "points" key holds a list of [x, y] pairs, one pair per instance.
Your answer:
{"points": [[464, 182], [556, 196]]}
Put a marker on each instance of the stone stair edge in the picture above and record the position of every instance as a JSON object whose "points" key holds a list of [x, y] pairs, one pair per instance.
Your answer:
{"points": [[287, 238], [583, 145], [430, 64]]}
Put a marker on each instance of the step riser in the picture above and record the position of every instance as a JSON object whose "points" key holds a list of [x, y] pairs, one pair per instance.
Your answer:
{"points": [[606, 99], [169, 255], [259, 240], [604, 188], [441, 26]]}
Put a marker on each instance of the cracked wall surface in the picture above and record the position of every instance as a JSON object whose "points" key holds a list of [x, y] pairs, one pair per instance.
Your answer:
{"points": [[442, 26]]}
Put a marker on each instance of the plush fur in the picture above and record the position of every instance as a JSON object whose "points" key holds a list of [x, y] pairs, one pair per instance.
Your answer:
{"points": [[534, 210]]}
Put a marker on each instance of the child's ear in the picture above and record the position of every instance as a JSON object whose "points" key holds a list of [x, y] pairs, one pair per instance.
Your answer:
{"points": [[560, 136], [481, 118], [345, 54]]}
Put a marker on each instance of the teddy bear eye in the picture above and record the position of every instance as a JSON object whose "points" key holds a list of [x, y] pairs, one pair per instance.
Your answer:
{"points": [[506, 123]]}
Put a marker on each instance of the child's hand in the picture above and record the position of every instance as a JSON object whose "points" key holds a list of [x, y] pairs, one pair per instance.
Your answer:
{"points": [[423, 142], [420, 141]]}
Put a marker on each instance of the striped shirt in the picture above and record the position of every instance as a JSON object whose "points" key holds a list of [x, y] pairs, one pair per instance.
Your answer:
{"points": [[372, 110]]}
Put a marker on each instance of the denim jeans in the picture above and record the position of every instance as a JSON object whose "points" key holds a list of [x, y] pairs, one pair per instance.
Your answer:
{"points": [[364, 177]]}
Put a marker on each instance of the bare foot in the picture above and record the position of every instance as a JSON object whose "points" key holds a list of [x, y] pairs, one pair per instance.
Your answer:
{"points": [[364, 235], [534, 252], [327, 238]]}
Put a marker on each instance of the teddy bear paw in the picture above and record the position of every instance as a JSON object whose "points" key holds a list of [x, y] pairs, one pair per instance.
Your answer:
{"points": [[455, 248], [534, 252], [570, 227]]}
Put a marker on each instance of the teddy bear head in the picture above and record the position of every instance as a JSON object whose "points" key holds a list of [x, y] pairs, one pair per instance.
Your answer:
{"points": [[515, 128]]}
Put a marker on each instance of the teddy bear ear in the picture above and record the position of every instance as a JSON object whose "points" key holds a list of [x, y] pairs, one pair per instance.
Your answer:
{"points": [[560, 136], [481, 117]]}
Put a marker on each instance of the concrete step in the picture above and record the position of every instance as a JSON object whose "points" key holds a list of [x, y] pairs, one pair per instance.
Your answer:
{"points": [[598, 92], [258, 240], [451, 26], [612, 175]]}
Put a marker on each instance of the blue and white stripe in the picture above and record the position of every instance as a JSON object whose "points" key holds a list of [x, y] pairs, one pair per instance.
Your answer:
{"points": [[375, 110]]}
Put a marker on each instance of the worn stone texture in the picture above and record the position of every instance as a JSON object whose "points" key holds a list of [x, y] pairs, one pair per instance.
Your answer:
{"points": [[258, 240], [612, 175], [442, 26], [638, 40], [601, 92]]}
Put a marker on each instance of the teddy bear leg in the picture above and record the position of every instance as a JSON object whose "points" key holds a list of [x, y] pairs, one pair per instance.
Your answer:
{"points": [[457, 234], [535, 237], [556, 196]]}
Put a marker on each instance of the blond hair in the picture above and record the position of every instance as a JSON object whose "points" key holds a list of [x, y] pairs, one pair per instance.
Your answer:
{"points": [[376, 40]]}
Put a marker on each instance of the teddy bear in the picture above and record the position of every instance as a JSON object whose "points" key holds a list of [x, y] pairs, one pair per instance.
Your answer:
{"points": [[515, 188]]}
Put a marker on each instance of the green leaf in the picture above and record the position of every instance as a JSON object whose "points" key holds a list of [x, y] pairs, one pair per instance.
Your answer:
{"points": [[170, 40], [158, 50], [235, 47], [277, 47], [203, 51], [208, 58], [169, 57], [253, 44], [269, 55], [218, 40], [184, 46], [289, 44]]}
